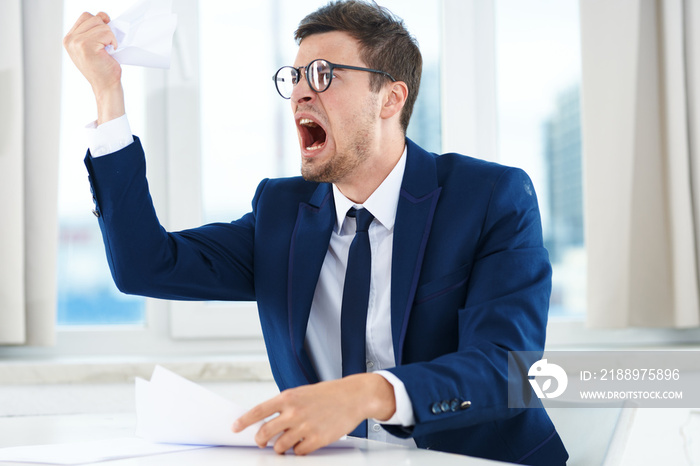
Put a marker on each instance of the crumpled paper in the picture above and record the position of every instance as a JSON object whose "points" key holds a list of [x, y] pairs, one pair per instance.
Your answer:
{"points": [[144, 34]]}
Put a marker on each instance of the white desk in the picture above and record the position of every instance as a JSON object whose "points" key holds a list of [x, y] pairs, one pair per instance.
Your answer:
{"points": [[39, 430]]}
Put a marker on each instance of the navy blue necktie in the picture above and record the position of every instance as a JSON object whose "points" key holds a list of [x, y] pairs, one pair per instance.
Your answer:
{"points": [[353, 316]]}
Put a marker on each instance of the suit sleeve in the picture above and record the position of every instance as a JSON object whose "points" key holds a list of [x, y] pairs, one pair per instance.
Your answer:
{"points": [[505, 310], [210, 262]]}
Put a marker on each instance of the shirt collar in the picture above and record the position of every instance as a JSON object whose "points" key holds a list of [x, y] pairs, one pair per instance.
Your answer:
{"points": [[382, 203]]}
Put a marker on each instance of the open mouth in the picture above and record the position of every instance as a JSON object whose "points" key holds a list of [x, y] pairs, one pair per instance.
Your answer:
{"points": [[313, 136]]}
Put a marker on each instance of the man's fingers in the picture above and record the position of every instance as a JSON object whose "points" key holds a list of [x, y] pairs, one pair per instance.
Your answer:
{"points": [[288, 440], [308, 445], [91, 32], [111, 39], [104, 37], [286, 434], [88, 22], [267, 431], [256, 414], [310, 417], [277, 428], [84, 17], [104, 16]]}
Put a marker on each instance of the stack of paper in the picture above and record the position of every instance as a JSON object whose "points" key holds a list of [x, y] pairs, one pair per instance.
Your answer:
{"points": [[171, 409], [173, 414]]}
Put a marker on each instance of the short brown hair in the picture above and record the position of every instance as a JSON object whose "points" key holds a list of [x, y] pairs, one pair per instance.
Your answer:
{"points": [[385, 43]]}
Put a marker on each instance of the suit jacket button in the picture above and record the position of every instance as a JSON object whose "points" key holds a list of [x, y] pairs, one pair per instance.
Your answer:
{"points": [[465, 405], [435, 408], [96, 213], [445, 406], [454, 404]]}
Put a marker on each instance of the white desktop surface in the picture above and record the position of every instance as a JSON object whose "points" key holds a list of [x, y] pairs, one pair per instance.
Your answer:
{"points": [[40, 430]]}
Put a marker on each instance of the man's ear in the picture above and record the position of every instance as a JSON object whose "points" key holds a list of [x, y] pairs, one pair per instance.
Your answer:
{"points": [[394, 99]]}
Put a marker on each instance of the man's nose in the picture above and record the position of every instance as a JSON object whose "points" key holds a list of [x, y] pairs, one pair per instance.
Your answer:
{"points": [[302, 92]]}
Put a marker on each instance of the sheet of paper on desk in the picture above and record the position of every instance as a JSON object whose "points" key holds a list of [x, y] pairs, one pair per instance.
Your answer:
{"points": [[172, 409], [88, 452], [173, 414], [144, 34]]}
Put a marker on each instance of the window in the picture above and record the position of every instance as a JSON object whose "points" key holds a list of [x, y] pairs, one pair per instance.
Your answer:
{"points": [[538, 69], [86, 293], [500, 82]]}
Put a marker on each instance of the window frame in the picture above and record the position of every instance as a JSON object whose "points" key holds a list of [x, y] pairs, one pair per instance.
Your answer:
{"points": [[181, 197]]}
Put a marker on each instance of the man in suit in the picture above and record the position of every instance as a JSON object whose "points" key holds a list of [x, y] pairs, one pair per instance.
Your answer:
{"points": [[455, 275]]}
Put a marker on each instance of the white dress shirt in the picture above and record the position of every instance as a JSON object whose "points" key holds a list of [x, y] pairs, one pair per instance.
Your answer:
{"points": [[323, 329]]}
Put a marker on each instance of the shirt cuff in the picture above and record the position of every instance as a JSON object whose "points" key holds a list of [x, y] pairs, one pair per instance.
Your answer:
{"points": [[108, 137], [404, 408]]}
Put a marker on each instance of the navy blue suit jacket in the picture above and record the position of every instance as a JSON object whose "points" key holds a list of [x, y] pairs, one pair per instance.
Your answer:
{"points": [[470, 281]]}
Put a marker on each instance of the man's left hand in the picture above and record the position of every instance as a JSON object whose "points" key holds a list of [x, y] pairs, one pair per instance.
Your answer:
{"points": [[313, 416]]}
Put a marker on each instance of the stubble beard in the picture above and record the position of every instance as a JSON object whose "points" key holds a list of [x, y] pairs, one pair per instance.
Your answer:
{"points": [[340, 165]]}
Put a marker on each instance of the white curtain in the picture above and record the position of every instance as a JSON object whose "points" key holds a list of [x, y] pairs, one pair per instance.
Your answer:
{"points": [[30, 78], [641, 130]]}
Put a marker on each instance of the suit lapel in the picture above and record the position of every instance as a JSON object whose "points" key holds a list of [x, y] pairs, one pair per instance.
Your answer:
{"points": [[308, 249], [414, 218]]}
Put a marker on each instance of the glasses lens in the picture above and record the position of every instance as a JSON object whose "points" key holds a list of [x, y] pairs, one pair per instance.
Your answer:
{"points": [[285, 80], [319, 75]]}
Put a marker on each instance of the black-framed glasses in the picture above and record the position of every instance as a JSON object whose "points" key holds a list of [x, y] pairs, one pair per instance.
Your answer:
{"points": [[319, 74]]}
